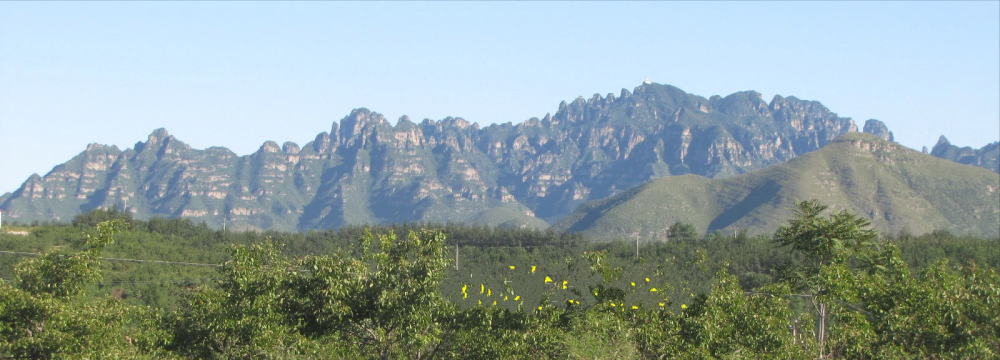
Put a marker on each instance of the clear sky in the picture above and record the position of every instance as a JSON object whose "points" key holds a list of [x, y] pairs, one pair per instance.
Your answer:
{"points": [[237, 74]]}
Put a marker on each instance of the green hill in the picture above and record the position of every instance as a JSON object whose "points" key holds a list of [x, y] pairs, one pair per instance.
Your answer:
{"points": [[897, 188]]}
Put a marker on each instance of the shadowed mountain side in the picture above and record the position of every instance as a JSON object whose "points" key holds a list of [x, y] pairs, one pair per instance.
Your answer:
{"points": [[894, 187]]}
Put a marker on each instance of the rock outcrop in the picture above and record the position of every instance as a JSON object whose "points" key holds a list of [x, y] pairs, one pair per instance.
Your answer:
{"points": [[879, 129]]}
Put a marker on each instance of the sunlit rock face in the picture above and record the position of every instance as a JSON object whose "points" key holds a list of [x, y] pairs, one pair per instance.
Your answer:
{"points": [[366, 170]]}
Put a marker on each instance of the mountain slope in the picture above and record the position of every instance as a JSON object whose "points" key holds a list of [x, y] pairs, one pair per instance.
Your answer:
{"points": [[895, 187]]}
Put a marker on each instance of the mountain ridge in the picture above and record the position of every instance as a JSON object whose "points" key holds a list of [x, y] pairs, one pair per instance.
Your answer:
{"points": [[987, 157], [366, 170], [897, 188]]}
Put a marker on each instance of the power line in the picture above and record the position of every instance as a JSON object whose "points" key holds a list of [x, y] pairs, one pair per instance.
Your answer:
{"points": [[123, 260], [154, 282]]}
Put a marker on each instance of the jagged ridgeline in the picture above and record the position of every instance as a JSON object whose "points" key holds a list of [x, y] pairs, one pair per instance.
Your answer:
{"points": [[366, 170], [987, 157], [896, 188]]}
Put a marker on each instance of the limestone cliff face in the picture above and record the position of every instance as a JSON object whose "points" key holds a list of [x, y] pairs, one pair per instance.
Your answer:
{"points": [[366, 170], [987, 157]]}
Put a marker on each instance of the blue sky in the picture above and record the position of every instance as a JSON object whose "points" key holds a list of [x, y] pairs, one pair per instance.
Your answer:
{"points": [[238, 74]]}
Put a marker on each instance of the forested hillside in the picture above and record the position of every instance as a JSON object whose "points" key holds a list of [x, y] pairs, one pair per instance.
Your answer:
{"points": [[398, 292]]}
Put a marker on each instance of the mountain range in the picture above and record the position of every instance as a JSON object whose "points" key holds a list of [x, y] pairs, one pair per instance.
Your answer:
{"points": [[987, 157], [896, 188], [366, 170]]}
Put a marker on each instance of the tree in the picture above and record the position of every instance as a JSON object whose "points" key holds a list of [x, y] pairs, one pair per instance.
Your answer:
{"points": [[387, 302], [243, 317], [829, 245], [44, 314], [682, 230]]}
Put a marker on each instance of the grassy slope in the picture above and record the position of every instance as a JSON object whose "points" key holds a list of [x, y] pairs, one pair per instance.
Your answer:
{"points": [[895, 187]]}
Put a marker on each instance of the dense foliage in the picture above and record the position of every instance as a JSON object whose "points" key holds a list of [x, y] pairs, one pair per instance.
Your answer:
{"points": [[824, 285]]}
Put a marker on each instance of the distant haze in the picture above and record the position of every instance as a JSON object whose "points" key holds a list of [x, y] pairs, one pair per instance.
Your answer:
{"points": [[238, 74]]}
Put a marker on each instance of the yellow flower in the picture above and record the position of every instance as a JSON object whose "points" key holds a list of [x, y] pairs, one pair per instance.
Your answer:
{"points": [[684, 306], [539, 308], [662, 304], [647, 279], [482, 288], [494, 303], [480, 302], [635, 307], [548, 279], [512, 267], [465, 295], [564, 284], [652, 290], [505, 298], [489, 292], [633, 283], [532, 269], [516, 298], [613, 305]]}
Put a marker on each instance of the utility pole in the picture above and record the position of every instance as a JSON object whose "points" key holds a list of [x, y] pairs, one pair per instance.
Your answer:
{"points": [[637, 246], [456, 255], [225, 219]]}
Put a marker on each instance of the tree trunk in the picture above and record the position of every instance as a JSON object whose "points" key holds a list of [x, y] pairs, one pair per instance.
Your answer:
{"points": [[822, 327]]}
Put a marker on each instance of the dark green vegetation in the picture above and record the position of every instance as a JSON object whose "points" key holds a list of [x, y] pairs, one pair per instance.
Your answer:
{"points": [[824, 285], [895, 188], [367, 170]]}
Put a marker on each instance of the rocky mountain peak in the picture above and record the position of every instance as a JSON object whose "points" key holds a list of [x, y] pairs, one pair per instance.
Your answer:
{"points": [[269, 147], [290, 148], [878, 128], [102, 147], [942, 141], [158, 136], [322, 143]]}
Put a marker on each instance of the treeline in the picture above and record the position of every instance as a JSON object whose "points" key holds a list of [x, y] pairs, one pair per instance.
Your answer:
{"points": [[823, 286]]}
